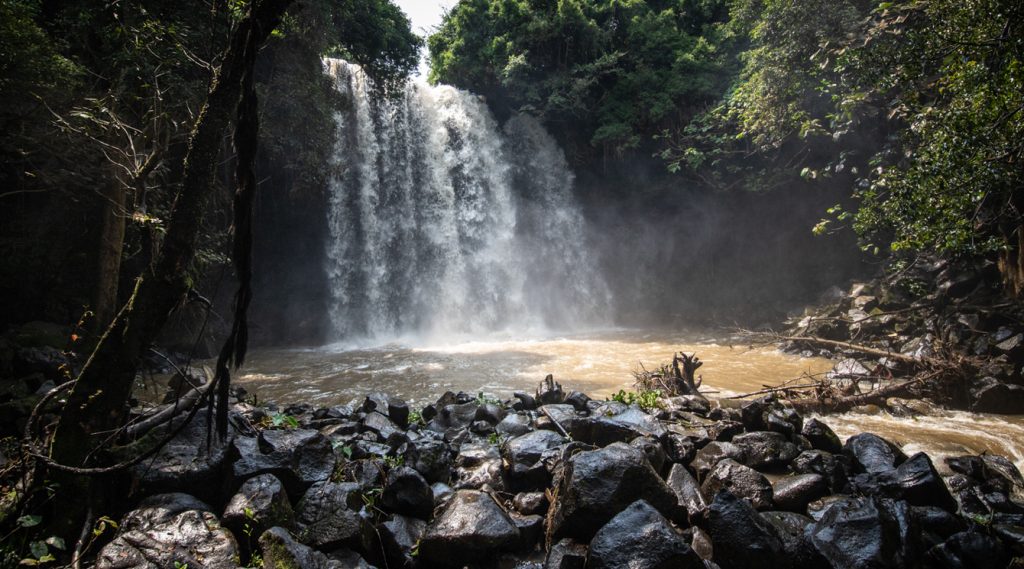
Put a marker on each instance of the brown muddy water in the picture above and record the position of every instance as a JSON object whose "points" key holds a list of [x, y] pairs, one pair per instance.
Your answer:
{"points": [[599, 364]]}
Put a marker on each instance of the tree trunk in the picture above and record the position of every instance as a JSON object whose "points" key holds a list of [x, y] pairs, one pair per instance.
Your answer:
{"points": [[97, 404], [108, 264]]}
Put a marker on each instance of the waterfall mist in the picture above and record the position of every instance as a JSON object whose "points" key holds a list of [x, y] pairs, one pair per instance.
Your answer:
{"points": [[443, 224]]}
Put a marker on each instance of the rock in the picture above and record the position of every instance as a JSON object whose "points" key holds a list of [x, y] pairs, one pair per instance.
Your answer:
{"points": [[550, 392], [281, 551], [640, 538], [523, 455], [793, 493], [848, 368], [479, 465], [531, 528], [724, 430], [742, 538], [169, 530], [528, 503], [567, 554], [1000, 398], [741, 481], [830, 466], [872, 453], [578, 400], [594, 486], [865, 533], [524, 402], [791, 528], [712, 454], [297, 457], [936, 525], [753, 414], [399, 537], [968, 550], [514, 425], [431, 458], [471, 528], [186, 464], [602, 430], [325, 518], [764, 449], [408, 493], [489, 413], [457, 415], [915, 481], [821, 436], [689, 500], [680, 448], [380, 424], [653, 450], [260, 504]]}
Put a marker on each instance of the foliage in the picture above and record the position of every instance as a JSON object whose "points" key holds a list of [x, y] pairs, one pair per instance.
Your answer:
{"points": [[616, 71], [648, 400]]}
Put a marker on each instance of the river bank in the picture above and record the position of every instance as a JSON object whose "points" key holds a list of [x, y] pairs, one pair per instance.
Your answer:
{"points": [[556, 479]]}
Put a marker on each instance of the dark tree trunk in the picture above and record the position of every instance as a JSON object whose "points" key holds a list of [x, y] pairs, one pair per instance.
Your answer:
{"points": [[97, 404], [109, 262]]}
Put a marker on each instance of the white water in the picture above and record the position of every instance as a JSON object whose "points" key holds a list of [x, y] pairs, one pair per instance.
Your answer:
{"points": [[443, 224]]}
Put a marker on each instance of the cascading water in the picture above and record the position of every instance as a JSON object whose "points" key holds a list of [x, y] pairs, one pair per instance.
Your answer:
{"points": [[443, 224]]}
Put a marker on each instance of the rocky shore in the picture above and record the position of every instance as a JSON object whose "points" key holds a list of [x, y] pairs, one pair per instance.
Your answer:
{"points": [[558, 480]]}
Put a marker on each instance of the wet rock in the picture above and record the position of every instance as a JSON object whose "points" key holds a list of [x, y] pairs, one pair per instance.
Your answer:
{"points": [[689, 403], [1000, 398], [791, 528], [260, 504], [567, 554], [712, 454], [690, 501], [524, 402], [325, 518], [579, 401], [739, 480], [281, 551], [653, 450], [639, 537], [753, 414], [969, 550], [399, 537], [187, 465], [724, 430], [471, 528], [395, 408], [523, 456], [477, 466], [848, 369], [936, 525], [793, 493], [742, 538], [531, 528], [408, 493], [821, 436], [528, 503], [431, 458], [169, 530], [602, 429], [297, 457], [457, 415], [489, 413], [380, 424], [866, 533], [514, 425], [872, 453], [832, 467], [595, 485], [550, 392], [766, 449], [915, 481], [679, 448]]}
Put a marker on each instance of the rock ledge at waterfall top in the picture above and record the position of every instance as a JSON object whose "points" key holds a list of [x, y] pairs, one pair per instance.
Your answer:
{"points": [[468, 482]]}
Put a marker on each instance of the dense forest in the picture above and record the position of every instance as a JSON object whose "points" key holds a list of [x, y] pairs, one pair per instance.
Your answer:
{"points": [[164, 160]]}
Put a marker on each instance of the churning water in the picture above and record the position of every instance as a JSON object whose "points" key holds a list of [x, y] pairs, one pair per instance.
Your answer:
{"points": [[443, 223]]}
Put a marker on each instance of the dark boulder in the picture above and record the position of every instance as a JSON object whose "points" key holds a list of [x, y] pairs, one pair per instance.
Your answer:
{"points": [[407, 492], [1002, 398], [872, 453], [594, 486], [742, 538], [867, 533], [478, 466], [550, 392], [793, 493], [714, 452], [260, 504], [821, 436], [915, 481], [471, 528], [523, 457], [514, 424], [380, 424], [739, 480], [325, 518], [395, 408], [567, 554], [832, 467], [969, 550], [431, 458], [489, 413], [579, 401], [297, 457], [187, 464], [281, 551], [528, 503], [765, 449], [639, 537], [691, 504], [653, 450], [169, 530], [792, 530], [399, 537]]}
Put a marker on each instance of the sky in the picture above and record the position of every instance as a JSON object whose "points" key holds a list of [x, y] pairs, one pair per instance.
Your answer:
{"points": [[425, 15]]}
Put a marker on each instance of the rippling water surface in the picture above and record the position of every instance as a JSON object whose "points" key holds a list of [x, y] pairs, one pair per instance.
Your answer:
{"points": [[598, 364]]}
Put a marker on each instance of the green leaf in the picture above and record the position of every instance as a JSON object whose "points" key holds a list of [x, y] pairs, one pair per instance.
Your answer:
{"points": [[29, 521], [38, 549], [56, 542]]}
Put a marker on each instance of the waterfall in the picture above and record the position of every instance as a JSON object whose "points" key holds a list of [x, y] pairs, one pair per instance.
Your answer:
{"points": [[442, 223]]}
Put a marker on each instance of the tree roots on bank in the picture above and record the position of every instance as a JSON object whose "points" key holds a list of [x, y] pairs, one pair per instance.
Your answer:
{"points": [[942, 377]]}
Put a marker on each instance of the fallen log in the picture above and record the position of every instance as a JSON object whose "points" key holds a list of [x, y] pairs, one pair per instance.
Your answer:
{"points": [[876, 397], [814, 340]]}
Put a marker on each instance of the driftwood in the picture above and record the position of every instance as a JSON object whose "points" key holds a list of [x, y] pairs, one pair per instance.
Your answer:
{"points": [[814, 340], [875, 397]]}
